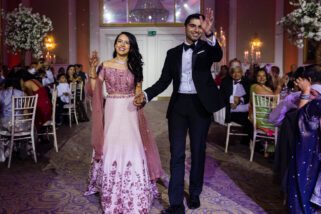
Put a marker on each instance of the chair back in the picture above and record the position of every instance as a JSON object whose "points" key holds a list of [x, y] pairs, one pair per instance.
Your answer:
{"points": [[80, 87], [73, 96], [262, 107], [219, 116], [54, 104], [23, 114]]}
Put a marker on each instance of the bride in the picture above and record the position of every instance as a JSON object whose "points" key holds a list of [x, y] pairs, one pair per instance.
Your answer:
{"points": [[126, 161]]}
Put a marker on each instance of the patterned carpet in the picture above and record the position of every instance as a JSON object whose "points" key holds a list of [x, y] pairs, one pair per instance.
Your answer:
{"points": [[56, 184]]}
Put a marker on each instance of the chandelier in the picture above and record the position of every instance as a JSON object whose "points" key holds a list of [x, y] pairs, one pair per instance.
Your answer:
{"points": [[253, 55], [50, 45], [148, 11]]}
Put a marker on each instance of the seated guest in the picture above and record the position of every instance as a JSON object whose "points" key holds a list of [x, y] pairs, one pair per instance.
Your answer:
{"points": [[11, 88], [235, 92], [49, 77], [32, 69], [61, 70], [291, 75], [83, 76], [72, 77], [234, 63], [308, 82], [71, 74], [80, 73], [275, 74], [221, 75], [42, 76], [64, 93], [249, 74], [263, 86], [31, 86]]}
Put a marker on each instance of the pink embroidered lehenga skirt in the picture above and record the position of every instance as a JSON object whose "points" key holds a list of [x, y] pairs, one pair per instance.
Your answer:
{"points": [[121, 176]]}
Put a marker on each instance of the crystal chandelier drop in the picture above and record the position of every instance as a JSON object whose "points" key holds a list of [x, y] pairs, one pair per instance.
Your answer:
{"points": [[148, 11]]}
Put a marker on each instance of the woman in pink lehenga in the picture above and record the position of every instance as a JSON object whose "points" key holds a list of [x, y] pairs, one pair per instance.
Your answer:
{"points": [[126, 162]]}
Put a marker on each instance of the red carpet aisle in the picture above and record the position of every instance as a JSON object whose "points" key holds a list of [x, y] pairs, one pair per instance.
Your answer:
{"points": [[232, 183]]}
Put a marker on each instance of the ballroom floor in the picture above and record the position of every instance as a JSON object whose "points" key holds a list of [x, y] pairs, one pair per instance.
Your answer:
{"points": [[57, 182]]}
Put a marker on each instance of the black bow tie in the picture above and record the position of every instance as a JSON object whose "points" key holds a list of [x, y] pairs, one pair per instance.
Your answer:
{"points": [[186, 47], [237, 81]]}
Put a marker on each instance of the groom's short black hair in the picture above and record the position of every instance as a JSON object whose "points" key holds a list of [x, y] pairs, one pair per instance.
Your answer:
{"points": [[193, 16]]}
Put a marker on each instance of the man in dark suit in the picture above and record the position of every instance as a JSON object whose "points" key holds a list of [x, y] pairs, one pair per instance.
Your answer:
{"points": [[235, 90], [194, 98]]}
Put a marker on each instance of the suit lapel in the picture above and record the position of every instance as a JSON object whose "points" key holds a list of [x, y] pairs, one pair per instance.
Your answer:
{"points": [[194, 56], [179, 55]]}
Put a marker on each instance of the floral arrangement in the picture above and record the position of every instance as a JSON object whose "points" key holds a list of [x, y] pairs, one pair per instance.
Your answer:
{"points": [[25, 30], [304, 22]]}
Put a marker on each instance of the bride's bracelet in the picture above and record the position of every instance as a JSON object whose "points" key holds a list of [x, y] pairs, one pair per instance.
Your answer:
{"points": [[93, 76]]}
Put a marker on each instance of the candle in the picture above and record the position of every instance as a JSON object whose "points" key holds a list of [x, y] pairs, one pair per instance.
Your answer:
{"points": [[258, 55], [246, 56]]}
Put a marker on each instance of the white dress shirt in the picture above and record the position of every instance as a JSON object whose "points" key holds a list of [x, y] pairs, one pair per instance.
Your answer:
{"points": [[48, 79], [61, 89], [239, 91], [187, 85]]}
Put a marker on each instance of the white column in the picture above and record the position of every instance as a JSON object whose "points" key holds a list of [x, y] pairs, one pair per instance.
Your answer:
{"points": [[72, 32], [232, 29], [278, 44], [94, 25]]}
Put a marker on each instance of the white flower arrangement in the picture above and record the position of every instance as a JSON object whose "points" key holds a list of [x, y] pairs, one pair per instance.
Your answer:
{"points": [[25, 30], [304, 22]]}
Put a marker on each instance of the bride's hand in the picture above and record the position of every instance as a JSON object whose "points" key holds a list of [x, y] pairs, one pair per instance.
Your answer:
{"points": [[93, 59]]}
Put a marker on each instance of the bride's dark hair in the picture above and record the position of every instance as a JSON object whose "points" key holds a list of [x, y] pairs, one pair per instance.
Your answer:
{"points": [[134, 63]]}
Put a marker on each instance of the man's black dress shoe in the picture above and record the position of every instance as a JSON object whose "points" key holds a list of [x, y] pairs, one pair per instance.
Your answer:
{"points": [[194, 202], [176, 209]]}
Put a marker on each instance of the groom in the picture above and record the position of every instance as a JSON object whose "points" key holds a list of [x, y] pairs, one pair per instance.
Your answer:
{"points": [[194, 98]]}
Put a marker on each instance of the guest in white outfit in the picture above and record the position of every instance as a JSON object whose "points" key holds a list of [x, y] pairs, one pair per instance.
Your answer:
{"points": [[64, 93]]}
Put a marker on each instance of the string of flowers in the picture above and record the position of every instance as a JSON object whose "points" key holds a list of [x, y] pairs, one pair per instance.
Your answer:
{"points": [[304, 22], [25, 30]]}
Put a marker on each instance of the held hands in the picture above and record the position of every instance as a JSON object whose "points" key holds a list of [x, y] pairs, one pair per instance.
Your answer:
{"points": [[139, 100], [207, 23]]}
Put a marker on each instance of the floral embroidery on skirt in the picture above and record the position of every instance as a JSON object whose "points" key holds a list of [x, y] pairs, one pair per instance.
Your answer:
{"points": [[121, 192]]}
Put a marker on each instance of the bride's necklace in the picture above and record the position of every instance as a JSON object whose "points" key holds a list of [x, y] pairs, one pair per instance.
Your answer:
{"points": [[120, 61]]}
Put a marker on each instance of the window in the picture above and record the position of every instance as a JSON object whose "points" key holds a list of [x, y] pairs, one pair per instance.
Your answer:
{"points": [[147, 12]]}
